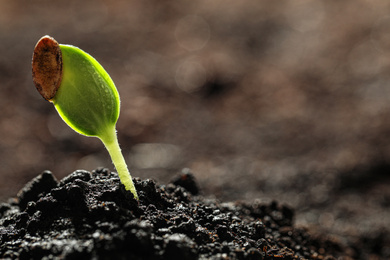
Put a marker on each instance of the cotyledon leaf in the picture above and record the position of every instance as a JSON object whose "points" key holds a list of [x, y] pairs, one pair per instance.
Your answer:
{"points": [[87, 98]]}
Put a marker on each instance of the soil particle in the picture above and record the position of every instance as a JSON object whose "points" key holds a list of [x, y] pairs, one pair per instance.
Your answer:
{"points": [[91, 216], [41, 184]]}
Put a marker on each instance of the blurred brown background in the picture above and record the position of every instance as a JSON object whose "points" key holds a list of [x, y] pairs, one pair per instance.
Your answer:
{"points": [[262, 100]]}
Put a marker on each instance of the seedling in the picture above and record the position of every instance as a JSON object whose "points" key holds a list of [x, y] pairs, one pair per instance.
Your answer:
{"points": [[83, 94]]}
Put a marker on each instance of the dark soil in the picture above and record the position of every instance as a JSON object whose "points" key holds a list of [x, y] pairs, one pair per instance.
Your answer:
{"points": [[91, 216]]}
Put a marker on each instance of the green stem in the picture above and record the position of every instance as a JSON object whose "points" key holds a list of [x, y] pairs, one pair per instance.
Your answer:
{"points": [[110, 140]]}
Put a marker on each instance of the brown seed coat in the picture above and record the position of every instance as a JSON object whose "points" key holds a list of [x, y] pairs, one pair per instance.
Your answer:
{"points": [[47, 67]]}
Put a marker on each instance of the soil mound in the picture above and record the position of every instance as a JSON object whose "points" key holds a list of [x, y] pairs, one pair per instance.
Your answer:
{"points": [[91, 216]]}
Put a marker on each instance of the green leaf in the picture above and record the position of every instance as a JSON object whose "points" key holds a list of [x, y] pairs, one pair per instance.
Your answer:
{"points": [[87, 99]]}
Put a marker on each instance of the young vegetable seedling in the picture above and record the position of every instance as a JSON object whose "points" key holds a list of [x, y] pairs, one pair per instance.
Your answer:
{"points": [[83, 94]]}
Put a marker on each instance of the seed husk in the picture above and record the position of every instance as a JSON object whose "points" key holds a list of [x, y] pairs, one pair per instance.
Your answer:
{"points": [[47, 67]]}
